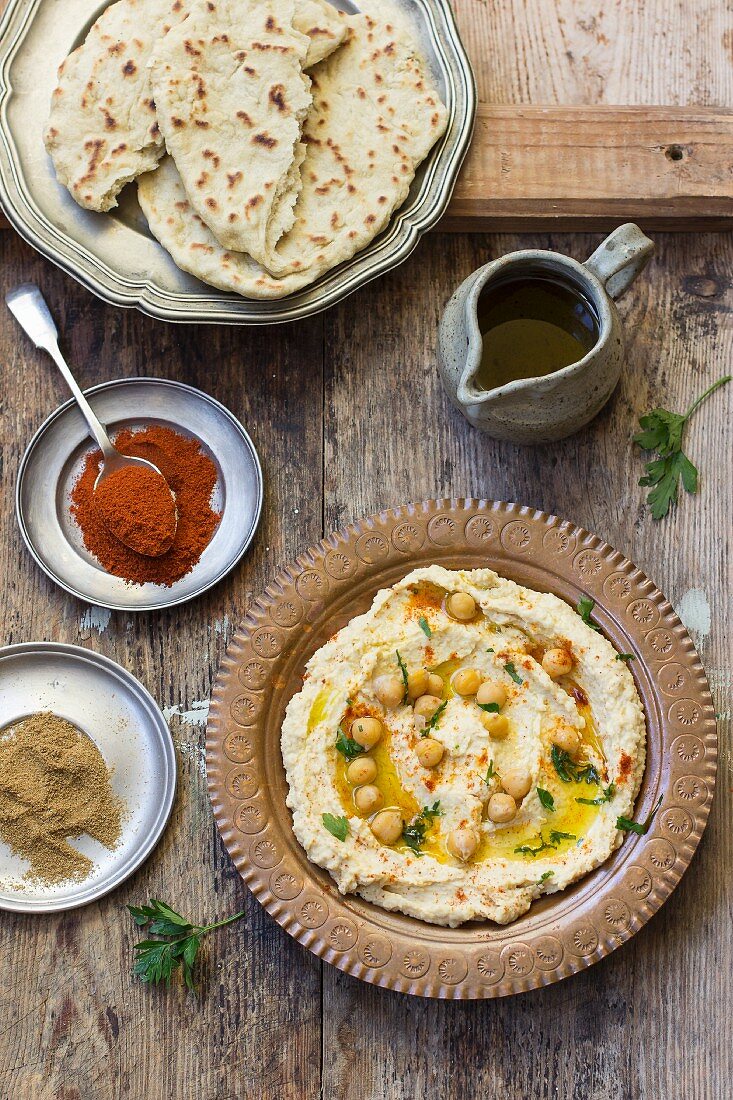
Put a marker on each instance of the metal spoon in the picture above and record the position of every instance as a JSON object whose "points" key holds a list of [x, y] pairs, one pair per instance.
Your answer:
{"points": [[29, 308]]}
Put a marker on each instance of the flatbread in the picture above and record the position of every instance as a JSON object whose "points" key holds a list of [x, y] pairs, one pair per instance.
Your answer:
{"points": [[231, 97], [102, 131], [324, 25], [375, 116]]}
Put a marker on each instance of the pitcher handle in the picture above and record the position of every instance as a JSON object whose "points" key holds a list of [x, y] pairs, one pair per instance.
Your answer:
{"points": [[620, 258]]}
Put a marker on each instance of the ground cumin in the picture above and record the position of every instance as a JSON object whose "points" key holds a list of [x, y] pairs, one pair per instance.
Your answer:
{"points": [[190, 473], [54, 784]]}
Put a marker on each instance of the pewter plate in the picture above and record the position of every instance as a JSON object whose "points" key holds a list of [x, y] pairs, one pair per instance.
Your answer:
{"points": [[54, 459], [121, 717], [115, 255], [317, 595]]}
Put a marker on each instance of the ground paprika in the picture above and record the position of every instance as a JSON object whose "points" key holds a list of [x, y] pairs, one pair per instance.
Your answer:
{"points": [[190, 473], [136, 506]]}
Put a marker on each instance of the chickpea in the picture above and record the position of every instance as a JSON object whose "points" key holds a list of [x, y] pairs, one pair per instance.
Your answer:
{"points": [[387, 826], [461, 606], [418, 683], [462, 843], [368, 798], [366, 731], [466, 681], [491, 692], [496, 725], [429, 752], [390, 690], [361, 770], [501, 808], [567, 738], [427, 705], [435, 684], [557, 662], [516, 782]]}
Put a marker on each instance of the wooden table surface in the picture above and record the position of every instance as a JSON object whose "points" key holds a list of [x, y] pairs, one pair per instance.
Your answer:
{"points": [[349, 417]]}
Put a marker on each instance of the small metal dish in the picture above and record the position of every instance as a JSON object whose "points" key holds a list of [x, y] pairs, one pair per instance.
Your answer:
{"points": [[53, 461], [108, 704], [115, 255]]}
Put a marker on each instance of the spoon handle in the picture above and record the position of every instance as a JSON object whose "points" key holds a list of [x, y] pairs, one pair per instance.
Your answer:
{"points": [[29, 308]]}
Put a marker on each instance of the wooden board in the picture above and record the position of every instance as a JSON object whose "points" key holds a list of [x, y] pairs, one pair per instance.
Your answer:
{"points": [[534, 167], [546, 168], [349, 416]]}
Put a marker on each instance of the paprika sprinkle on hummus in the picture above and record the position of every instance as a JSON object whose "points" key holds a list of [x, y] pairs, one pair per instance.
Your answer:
{"points": [[137, 507], [191, 476]]}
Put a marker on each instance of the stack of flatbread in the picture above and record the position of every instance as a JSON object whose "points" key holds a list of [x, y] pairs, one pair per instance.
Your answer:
{"points": [[271, 139]]}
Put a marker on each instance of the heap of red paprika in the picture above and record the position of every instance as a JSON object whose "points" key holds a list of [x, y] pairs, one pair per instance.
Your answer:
{"points": [[123, 504]]}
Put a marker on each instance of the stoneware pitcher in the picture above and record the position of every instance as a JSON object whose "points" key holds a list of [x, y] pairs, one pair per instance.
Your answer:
{"points": [[539, 410]]}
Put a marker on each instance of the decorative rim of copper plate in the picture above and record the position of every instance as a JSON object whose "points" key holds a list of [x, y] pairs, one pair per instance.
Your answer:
{"points": [[328, 584]]}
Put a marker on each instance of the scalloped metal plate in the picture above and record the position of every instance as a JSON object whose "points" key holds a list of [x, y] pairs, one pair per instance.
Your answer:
{"points": [[337, 579], [115, 255]]}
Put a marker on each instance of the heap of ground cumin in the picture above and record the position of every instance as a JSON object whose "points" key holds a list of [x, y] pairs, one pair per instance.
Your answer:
{"points": [[190, 473], [54, 784]]}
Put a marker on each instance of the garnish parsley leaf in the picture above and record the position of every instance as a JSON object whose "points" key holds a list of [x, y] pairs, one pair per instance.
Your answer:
{"points": [[433, 723], [608, 793], [403, 670], [544, 877], [662, 432], [570, 771], [337, 826], [490, 773], [546, 799], [490, 650], [584, 608], [347, 746], [640, 827], [425, 626], [511, 670], [556, 836], [178, 945], [625, 657], [414, 833], [528, 850], [490, 708]]}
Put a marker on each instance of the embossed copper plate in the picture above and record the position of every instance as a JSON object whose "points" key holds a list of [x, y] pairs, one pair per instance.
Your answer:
{"points": [[330, 583]]}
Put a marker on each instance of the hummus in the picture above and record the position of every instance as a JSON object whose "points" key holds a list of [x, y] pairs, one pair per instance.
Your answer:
{"points": [[468, 796]]}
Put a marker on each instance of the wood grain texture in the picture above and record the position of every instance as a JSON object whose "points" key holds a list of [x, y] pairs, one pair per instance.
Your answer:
{"points": [[349, 416], [553, 168]]}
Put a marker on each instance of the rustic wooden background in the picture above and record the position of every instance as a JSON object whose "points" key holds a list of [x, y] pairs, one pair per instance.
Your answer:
{"points": [[349, 417]]}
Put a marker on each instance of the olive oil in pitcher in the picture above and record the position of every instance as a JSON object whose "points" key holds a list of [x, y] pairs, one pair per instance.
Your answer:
{"points": [[531, 327]]}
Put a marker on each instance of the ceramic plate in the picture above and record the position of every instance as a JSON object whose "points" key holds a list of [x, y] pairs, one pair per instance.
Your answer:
{"points": [[115, 255], [55, 458], [329, 584], [108, 704]]}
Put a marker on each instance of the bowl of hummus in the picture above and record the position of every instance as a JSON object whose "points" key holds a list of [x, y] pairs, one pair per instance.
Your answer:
{"points": [[462, 748]]}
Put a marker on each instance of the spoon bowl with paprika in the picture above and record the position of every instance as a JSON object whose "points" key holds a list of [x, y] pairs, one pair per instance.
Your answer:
{"points": [[134, 499]]}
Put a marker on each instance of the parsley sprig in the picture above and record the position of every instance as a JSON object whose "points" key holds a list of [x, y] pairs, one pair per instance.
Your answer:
{"points": [[178, 944], [544, 845], [584, 608], [337, 826], [403, 670], [662, 432], [414, 833], [640, 827], [546, 799], [608, 793], [511, 670], [347, 746], [570, 771], [425, 627], [433, 723]]}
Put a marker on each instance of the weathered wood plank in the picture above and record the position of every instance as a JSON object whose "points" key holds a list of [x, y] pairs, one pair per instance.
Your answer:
{"points": [[581, 1038], [74, 1021], [558, 168]]}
